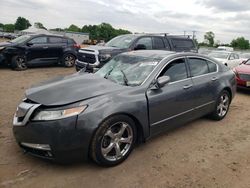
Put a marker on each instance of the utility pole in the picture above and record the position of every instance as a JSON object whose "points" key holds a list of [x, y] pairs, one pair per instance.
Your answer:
{"points": [[194, 34], [184, 33]]}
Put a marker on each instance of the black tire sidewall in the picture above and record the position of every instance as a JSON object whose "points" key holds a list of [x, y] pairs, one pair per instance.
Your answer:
{"points": [[97, 139]]}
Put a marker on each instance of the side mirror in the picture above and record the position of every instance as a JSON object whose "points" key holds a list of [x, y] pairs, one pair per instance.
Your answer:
{"points": [[29, 44], [140, 47], [160, 82]]}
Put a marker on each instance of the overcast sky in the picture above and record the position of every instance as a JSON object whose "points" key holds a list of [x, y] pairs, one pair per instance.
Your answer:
{"points": [[226, 18]]}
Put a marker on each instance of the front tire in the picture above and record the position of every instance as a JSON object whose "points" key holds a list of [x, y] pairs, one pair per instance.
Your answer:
{"points": [[19, 63], [69, 60], [113, 141], [222, 106]]}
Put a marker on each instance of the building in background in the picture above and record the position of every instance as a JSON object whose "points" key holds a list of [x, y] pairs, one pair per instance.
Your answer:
{"points": [[77, 36]]}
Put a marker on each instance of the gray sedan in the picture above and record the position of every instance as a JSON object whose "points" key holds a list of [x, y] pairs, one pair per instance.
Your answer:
{"points": [[133, 97]]}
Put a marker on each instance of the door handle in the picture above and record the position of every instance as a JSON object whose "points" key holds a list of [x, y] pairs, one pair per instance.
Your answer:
{"points": [[214, 79], [187, 86], [45, 47]]}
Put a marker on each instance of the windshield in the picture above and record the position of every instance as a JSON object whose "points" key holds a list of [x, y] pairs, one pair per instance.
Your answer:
{"points": [[221, 55], [20, 39], [123, 41], [128, 69], [248, 62], [246, 55]]}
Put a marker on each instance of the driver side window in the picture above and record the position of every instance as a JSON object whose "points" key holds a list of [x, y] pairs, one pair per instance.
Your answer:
{"points": [[39, 40], [176, 70], [146, 41]]}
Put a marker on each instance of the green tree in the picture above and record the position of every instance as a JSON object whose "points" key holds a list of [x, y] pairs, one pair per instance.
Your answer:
{"points": [[209, 38], [39, 25], [240, 43], [103, 31], [73, 28], [9, 28], [1, 25], [22, 23]]}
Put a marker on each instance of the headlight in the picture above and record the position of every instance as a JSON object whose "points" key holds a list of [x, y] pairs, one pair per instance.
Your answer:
{"points": [[58, 114], [104, 57]]}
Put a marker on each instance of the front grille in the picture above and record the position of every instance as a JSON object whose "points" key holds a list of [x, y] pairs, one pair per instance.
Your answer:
{"points": [[245, 77], [85, 57]]}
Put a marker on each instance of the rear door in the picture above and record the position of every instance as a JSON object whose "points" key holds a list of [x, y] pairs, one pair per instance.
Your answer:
{"points": [[172, 104], [56, 46], [205, 78]]}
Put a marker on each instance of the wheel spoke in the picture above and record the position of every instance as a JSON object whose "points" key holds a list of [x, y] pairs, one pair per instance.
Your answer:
{"points": [[127, 140], [117, 150], [106, 150], [110, 134], [123, 128]]}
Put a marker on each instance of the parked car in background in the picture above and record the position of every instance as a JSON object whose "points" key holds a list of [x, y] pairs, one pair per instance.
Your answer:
{"points": [[243, 74], [225, 48], [93, 57], [230, 59], [36, 50], [133, 97]]}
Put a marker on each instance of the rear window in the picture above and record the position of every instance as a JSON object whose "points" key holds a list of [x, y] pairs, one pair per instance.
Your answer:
{"points": [[55, 40], [182, 43], [158, 43]]}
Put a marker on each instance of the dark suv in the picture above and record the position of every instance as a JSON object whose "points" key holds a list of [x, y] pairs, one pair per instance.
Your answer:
{"points": [[94, 57], [37, 50]]}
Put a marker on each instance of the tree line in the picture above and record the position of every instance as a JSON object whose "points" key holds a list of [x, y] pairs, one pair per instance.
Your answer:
{"points": [[238, 43], [105, 31]]}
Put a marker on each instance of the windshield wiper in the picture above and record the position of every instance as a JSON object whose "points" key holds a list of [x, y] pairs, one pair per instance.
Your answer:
{"points": [[108, 73], [124, 78]]}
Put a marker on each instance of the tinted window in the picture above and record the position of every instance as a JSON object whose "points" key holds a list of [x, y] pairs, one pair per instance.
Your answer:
{"points": [[198, 66], [158, 43], [147, 41], [55, 40], [182, 43], [212, 66], [39, 40], [176, 70], [71, 41]]}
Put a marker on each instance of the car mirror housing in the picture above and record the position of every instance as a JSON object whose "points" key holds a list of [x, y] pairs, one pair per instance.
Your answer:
{"points": [[140, 47], [29, 43], [160, 82]]}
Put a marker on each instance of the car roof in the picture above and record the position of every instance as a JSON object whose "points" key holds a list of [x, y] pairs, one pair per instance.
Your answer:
{"points": [[159, 35], [160, 54], [47, 35]]}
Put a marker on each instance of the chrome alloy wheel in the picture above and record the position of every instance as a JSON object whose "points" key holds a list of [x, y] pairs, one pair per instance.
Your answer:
{"points": [[223, 105], [69, 60], [20, 62], [117, 141]]}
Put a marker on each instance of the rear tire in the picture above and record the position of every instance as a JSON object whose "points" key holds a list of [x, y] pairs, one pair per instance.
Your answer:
{"points": [[19, 63], [222, 106], [113, 141], [69, 60]]}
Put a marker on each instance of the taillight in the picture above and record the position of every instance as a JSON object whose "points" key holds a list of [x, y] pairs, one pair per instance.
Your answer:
{"points": [[77, 46], [236, 73]]}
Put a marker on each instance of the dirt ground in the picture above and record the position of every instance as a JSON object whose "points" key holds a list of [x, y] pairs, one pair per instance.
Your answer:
{"points": [[201, 154]]}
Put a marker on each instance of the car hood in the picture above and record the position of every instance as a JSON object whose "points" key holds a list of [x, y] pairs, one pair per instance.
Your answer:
{"points": [[105, 49], [243, 68], [221, 60], [5, 44], [70, 89]]}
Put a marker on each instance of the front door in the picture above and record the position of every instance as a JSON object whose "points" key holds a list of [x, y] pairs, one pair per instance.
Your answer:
{"points": [[37, 52], [172, 104]]}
